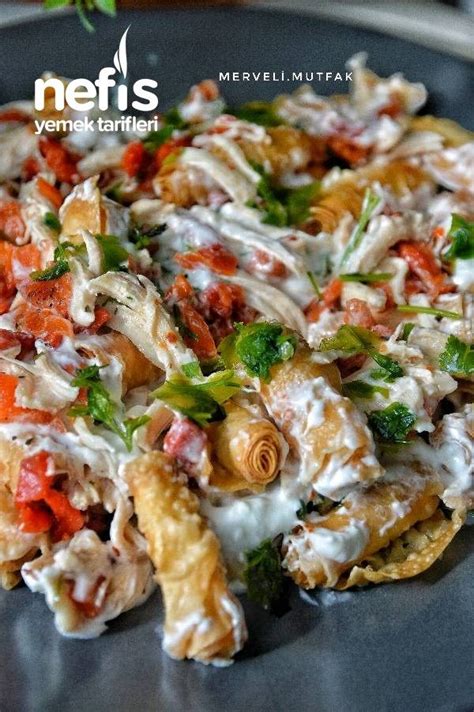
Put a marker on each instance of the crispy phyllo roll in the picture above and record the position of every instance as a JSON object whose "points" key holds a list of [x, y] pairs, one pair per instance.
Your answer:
{"points": [[203, 620], [412, 553], [452, 133], [323, 548], [324, 429], [248, 447]]}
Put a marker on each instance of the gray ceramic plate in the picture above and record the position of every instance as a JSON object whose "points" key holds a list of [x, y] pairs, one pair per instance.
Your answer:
{"points": [[400, 648]]}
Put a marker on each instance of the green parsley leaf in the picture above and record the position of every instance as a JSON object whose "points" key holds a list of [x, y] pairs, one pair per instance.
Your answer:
{"points": [[355, 339], [155, 139], [406, 331], [259, 346], [200, 402], [257, 112], [142, 237], [392, 424], [361, 389], [192, 369], [369, 205], [461, 233], [366, 278], [113, 253], [415, 309], [173, 118], [263, 575], [52, 221], [298, 201], [100, 406], [106, 6], [457, 357], [314, 284], [322, 505], [56, 270]]}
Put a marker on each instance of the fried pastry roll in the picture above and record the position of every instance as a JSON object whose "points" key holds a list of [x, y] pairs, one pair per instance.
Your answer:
{"points": [[412, 553], [324, 430], [204, 621], [85, 208], [248, 447], [452, 133], [319, 551], [16, 546]]}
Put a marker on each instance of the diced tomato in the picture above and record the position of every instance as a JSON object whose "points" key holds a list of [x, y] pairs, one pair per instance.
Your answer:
{"points": [[9, 339], [348, 149], [215, 257], [186, 442], [208, 89], [12, 226], [133, 157], [62, 162], [314, 310], [222, 299], [198, 336], [264, 263], [180, 289], [30, 169], [332, 293], [53, 294], [14, 115], [10, 411], [357, 313], [422, 263], [101, 317], [169, 147], [43, 324], [42, 507], [393, 108], [25, 259], [50, 192]]}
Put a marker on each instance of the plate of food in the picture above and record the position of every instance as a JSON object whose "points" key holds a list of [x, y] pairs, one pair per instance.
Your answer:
{"points": [[236, 367]]}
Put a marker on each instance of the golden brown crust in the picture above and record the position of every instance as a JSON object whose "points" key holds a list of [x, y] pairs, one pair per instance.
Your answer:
{"points": [[204, 620]]}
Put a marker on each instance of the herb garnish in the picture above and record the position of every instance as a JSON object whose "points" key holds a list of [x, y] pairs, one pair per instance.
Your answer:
{"points": [[264, 578], [52, 221], [84, 6], [320, 504], [283, 206], [202, 401], [142, 237], [366, 278], [259, 346], [461, 233], [355, 339], [361, 389], [100, 406], [457, 357], [392, 424], [257, 112], [415, 309], [369, 206]]}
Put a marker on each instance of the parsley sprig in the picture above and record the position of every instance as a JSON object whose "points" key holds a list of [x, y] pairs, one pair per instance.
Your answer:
{"points": [[364, 390], [283, 206], [200, 401], [369, 206], [264, 578], [461, 233], [258, 346], [257, 112], [392, 424], [108, 7], [357, 340], [457, 357], [100, 406]]}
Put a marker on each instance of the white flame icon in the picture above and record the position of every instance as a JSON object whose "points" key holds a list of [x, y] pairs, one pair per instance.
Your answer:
{"points": [[120, 57]]}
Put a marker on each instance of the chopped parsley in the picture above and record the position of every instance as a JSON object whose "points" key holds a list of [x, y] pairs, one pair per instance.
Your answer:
{"points": [[192, 369], [52, 221], [457, 357], [100, 406], [361, 389], [283, 206], [258, 346], [366, 278], [108, 7], [369, 206], [415, 309], [263, 575], [357, 340], [406, 331], [257, 112], [142, 237], [202, 401], [113, 253], [461, 233], [314, 284], [60, 265], [392, 424]]}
